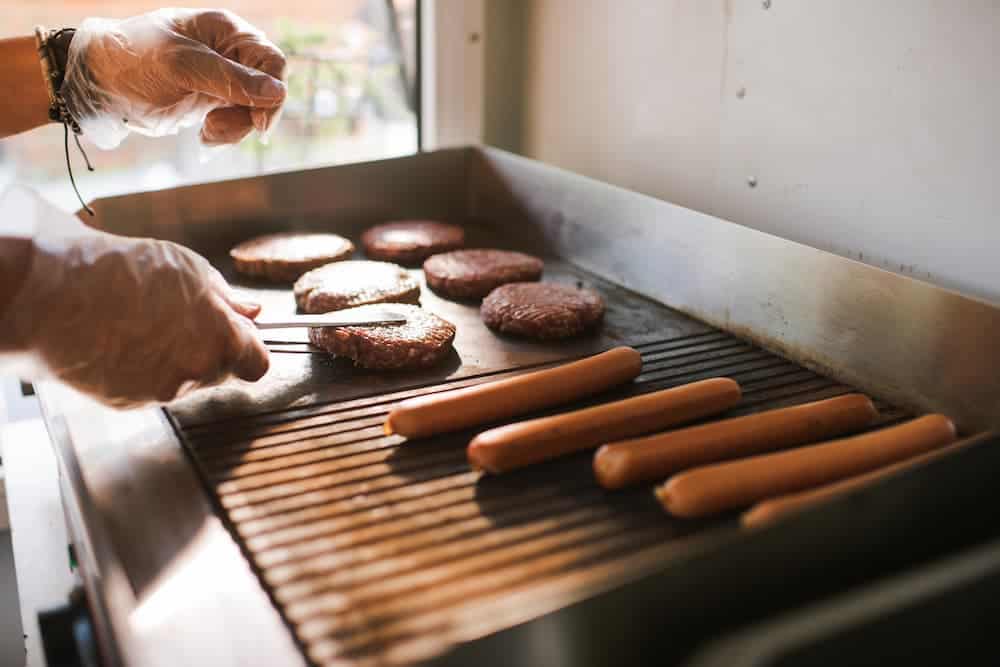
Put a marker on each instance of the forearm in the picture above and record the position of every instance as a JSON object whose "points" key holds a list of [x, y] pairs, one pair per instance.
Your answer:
{"points": [[24, 101], [15, 261]]}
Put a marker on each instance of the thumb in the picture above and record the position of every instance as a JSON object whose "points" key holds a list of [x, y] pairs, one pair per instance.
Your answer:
{"points": [[205, 71], [227, 125], [249, 356]]}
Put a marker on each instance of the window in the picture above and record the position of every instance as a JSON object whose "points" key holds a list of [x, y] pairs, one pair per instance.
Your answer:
{"points": [[352, 87]]}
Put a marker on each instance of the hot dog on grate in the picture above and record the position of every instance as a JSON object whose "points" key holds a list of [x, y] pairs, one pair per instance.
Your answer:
{"points": [[518, 445], [720, 487]]}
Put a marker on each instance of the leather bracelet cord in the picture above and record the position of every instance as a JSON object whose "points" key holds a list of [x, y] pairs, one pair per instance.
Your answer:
{"points": [[53, 52]]}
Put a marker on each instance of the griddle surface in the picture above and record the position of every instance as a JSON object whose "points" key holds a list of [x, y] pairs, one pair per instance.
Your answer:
{"points": [[378, 550]]}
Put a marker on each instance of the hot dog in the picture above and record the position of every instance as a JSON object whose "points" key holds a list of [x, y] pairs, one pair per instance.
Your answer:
{"points": [[767, 511], [653, 457], [494, 401], [724, 486], [517, 445]]}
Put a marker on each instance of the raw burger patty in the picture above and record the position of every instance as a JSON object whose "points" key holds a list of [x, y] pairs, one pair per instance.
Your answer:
{"points": [[410, 242], [472, 274], [545, 311], [424, 340], [355, 283], [285, 257]]}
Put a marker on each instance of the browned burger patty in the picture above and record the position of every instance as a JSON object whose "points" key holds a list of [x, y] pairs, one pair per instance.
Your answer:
{"points": [[472, 274], [544, 311], [424, 340], [285, 257], [355, 283], [410, 242]]}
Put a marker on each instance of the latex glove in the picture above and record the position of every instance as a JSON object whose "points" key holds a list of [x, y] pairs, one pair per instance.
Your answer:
{"points": [[170, 69], [126, 320]]}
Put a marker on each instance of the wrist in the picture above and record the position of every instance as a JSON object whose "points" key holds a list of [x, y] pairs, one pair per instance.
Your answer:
{"points": [[99, 60], [53, 51], [58, 43]]}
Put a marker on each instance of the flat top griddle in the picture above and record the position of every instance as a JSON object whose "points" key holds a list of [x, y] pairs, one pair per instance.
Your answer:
{"points": [[392, 551], [300, 378], [377, 550]]}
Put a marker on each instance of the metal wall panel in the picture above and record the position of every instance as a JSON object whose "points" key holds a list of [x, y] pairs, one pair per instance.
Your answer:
{"points": [[868, 128]]}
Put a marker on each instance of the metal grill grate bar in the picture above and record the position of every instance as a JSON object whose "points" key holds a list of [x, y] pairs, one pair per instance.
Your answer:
{"points": [[366, 541]]}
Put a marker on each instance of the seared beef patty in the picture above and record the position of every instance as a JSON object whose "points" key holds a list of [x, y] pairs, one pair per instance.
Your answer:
{"points": [[424, 340], [355, 283], [544, 311], [410, 242], [472, 274], [285, 257]]}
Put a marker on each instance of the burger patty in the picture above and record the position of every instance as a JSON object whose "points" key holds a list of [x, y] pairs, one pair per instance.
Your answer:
{"points": [[354, 283], [472, 274], [410, 242], [424, 340], [544, 311], [285, 257]]}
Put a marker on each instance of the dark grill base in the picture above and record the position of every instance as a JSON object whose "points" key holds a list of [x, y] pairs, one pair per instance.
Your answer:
{"points": [[379, 551]]}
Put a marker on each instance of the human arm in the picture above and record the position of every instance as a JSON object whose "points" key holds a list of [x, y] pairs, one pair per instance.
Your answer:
{"points": [[154, 74], [125, 320], [29, 107]]}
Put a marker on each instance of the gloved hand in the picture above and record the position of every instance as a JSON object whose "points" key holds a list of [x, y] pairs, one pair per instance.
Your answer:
{"points": [[126, 320], [171, 69]]}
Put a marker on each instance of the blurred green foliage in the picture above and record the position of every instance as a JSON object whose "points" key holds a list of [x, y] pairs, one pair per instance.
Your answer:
{"points": [[326, 92], [295, 40]]}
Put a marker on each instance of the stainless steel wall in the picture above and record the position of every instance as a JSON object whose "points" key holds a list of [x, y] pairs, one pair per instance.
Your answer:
{"points": [[865, 128]]}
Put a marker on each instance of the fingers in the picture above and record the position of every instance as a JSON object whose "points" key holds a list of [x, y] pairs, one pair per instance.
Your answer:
{"points": [[247, 309], [249, 357], [269, 60], [264, 120], [239, 77], [224, 344], [246, 352], [204, 71], [237, 351], [228, 125]]}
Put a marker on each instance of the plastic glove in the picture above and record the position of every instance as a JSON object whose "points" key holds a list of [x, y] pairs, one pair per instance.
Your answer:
{"points": [[126, 320], [170, 69]]}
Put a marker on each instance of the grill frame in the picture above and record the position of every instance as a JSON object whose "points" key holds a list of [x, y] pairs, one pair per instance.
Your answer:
{"points": [[132, 544]]}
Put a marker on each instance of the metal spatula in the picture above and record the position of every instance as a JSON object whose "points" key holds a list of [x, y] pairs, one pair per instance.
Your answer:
{"points": [[371, 317]]}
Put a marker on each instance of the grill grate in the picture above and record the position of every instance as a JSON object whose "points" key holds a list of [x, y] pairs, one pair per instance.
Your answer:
{"points": [[376, 551]]}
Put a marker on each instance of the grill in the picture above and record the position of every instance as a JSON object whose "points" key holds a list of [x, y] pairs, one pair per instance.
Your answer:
{"points": [[275, 523], [369, 544]]}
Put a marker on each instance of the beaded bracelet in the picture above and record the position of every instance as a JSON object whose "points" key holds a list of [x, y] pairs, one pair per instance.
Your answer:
{"points": [[53, 52]]}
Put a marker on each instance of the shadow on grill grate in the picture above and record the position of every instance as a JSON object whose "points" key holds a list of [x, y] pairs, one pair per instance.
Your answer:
{"points": [[375, 549]]}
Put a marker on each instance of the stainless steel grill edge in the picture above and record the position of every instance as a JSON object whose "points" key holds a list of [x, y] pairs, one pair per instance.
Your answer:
{"points": [[377, 551]]}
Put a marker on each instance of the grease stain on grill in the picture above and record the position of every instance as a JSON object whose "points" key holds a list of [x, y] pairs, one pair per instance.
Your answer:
{"points": [[374, 548]]}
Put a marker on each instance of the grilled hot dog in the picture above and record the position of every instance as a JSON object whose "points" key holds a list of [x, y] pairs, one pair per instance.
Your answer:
{"points": [[724, 486], [767, 511], [656, 457], [517, 445], [494, 401]]}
